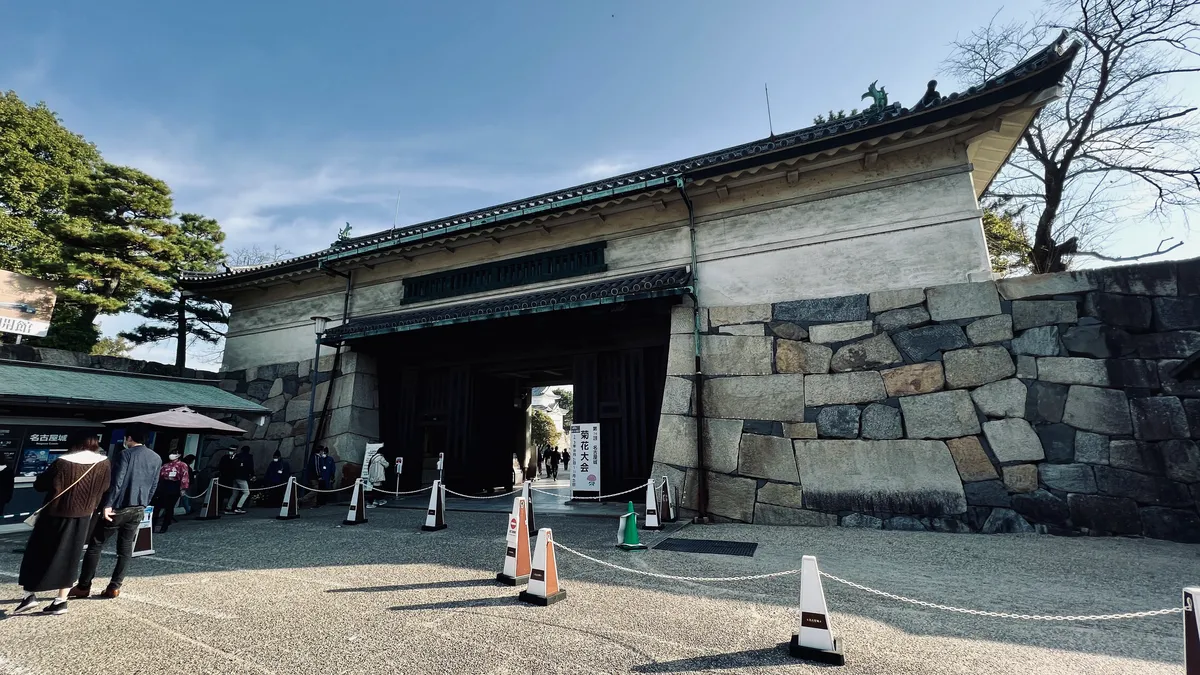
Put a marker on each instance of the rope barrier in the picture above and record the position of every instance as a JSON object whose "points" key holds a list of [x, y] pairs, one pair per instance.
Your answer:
{"points": [[312, 489], [459, 494], [248, 489], [558, 544], [199, 495], [398, 494], [615, 494]]}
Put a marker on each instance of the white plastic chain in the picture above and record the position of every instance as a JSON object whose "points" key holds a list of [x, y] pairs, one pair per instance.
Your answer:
{"points": [[312, 489], [199, 495], [398, 494], [1003, 615], [615, 494], [248, 489], [459, 494], [750, 577]]}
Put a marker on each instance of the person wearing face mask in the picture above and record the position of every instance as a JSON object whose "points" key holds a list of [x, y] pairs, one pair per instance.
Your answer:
{"points": [[322, 470], [173, 479], [278, 473]]}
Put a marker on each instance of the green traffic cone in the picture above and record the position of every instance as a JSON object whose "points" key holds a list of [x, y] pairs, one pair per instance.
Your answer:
{"points": [[630, 540]]}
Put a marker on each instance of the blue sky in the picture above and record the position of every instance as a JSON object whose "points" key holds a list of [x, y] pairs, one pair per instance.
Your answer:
{"points": [[285, 120]]}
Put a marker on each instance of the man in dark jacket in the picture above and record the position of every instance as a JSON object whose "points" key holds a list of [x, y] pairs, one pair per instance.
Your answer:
{"points": [[243, 473], [277, 475], [134, 479], [322, 471]]}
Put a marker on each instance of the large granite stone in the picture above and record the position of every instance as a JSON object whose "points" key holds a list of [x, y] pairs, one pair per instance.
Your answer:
{"points": [[1047, 285], [781, 494], [800, 429], [867, 354], [1178, 344], [839, 332], [1189, 277], [1058, 442], [1013, 440], [1158, 418], [1176, 313], [882, 301], [1098, 341], [801, 357], [677, 396], [1091, 448], [787, 330], [1032, 313], [277, 370], [1027, 367], [1041, 506], [1005, 398], [1045, 402], [681, 359], [842, 388], [1041, 341], [904, 524], [768, 514], [944, 414], [1104, 514], [838, 421], [1132, 374], [918, 378], [1140, 487], [754, 329], [862, 520], [987, 493], [902, 318], [1126, 311], [1137, 456], [977, 366], [921, 344], [276, 388], [1181, 460], [1069, 477], [735, 354], [1172, 524], [822, 310], [962, 301], [1005, 521], [1139, 279], [726, 316], [278, 430], [767, 457], [731, 497], [970, 459], [297, 409], [1021, 477], [260, 390], [276, 404], [990, 329], [899, 476], [1191, 408], [767, 397], [676, 441], [1073, 370], [722, 438], [1104, 411], [881, 422]]}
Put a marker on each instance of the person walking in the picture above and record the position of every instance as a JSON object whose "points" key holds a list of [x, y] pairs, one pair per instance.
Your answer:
{"points": [[243, 473], [323, 469], [566, 459], [75, 484], [276, 477], [184, 500], [134, 473], [226, 474], [376, 477], [552, 458], [172, 481]]}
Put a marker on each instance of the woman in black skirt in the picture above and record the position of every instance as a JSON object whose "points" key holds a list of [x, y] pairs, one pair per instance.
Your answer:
{"points": [[75, 483]]}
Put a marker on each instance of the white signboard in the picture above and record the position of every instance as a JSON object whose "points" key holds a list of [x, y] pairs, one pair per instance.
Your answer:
{"points": [[585, 457], [372, 450]]}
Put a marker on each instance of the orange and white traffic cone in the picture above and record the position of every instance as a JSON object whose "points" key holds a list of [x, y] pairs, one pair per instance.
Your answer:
{"points": [[516, 553], [358, 507], [1191, 631], [212, 503], [435, 516], [291, 501], [527, 493], [543, 586], [653, 522], [666, 510], [814, 640]]}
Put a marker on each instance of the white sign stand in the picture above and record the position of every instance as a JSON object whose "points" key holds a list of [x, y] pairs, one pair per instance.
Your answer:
{"points": [[143, 543], [585, 458]]}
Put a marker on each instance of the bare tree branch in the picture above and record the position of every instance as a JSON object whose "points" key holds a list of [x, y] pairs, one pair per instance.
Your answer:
{"points": [[1158, 251]]}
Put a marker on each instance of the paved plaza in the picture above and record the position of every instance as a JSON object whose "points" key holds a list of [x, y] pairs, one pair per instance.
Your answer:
{"points": [[252, 594]]}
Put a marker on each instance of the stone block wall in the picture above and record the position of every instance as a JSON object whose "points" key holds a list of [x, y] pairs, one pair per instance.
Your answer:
{"points": [[1055, 403], [286, 389]]}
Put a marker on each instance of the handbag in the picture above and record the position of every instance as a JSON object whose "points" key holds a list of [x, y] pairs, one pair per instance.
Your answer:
{"points": [[32, 519]]}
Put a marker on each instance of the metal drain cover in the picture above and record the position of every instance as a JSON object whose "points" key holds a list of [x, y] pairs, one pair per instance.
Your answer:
{"points": [[710, 546]]}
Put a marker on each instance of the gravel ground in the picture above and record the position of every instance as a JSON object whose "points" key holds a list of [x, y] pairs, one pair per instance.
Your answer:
{"points": [[254, 595]]}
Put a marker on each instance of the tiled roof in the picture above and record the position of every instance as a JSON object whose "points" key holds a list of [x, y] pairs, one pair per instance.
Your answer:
{"points": [[1043, 69], [624, 289], [22, 382]]}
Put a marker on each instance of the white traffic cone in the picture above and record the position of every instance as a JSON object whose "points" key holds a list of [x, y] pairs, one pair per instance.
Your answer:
{"points": [[357, 514], [435, 516], [1191, 631], [212, 503], [667, 510], [290, 508], [516, 553], [527, 493], [653, 522], [543, 586], [814, 640]]}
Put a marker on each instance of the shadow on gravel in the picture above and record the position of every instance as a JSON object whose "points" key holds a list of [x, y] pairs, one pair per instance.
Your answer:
{"points": [[770, 656], [459, 604], [461, 583]]}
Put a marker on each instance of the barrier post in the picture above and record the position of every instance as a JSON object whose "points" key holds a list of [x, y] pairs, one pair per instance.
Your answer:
{"points": [[653, 522], [516, 553], [627, 534], [543, 586], [357, 515], [290, 508], [212, 503], [813, 639], [1191, 631], [435, 517], [143, 542], [527, 493], [667, 510]]}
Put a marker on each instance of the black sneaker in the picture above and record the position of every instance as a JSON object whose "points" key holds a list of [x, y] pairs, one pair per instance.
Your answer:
{"points": [[28, 603], [239, 511], [57, 607], [228, 512]]}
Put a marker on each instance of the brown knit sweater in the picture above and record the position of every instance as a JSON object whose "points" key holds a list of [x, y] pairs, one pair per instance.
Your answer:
{"points": [[81, 500]]}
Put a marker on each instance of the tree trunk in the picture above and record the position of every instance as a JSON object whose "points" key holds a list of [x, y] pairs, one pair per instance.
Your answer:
{"points": [[181, 333]]}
